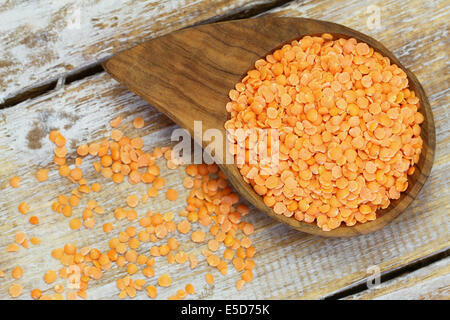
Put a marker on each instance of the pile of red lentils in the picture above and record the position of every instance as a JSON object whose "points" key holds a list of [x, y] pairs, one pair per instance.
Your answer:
{"points": [[349, 130], [210, 203]]}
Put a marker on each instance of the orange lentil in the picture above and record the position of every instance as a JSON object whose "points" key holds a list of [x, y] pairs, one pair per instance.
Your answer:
{"points": [[209, 278], [152, 192], [132, 200], [97, 166], [248, 229], [193, 261], [96, 187], [35, 240], [188, 182], [106, 161], [89, 223], [50, 276], [337, 124], [148, 272], [25, 244], [159, 183], [59, 288], [15, 290], [147, 177], [17, 273], [24, 208], [154, 170], [67, 211], [115, 122], [70, 249], [59, 140], [137, 143], [64, 170], [13, 247], [142, 259], [247, 276], [42, 175], [191, 170], [117, 177], [52, 135], [171, 194], [184, 227], [61, 152], [74, 200], [228, 254], [240, 284], [138, 122], [84, 189], [99, 210], [172, 243], [76, 174], [198, 236], [213, 260], [208, 194], [189, 289], [75, 224], [14, 182], [36, 294], [34, 220], [133, 243], [108, 227], [83, 150], [93, 149], [213, 245], [132, 268], [57, 253], [151, 291]]}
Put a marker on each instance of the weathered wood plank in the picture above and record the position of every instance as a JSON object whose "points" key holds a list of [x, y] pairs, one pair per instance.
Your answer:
{"points": [[431, 282], [42, 41], [290, 264]]}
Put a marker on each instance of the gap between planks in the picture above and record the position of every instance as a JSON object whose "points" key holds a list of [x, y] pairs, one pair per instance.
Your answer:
{"points": [[82, 72]]}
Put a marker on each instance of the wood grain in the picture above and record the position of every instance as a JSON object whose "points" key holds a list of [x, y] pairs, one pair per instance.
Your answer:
{"points": [[58, 38], [187, 75], [290, 265], [430, 282]]}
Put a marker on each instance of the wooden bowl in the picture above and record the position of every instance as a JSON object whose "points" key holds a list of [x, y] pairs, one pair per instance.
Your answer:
{"points": [[187, 75]]}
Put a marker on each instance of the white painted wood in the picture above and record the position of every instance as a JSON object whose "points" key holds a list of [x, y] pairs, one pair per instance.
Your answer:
{"points": [[43, 40], [289, 264]]}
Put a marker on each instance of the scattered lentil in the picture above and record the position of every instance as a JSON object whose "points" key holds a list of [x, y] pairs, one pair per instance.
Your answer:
{"points": [[14, 182], [17, 273], [42, 175], [15, 290], [164, 280], [210, 203]]}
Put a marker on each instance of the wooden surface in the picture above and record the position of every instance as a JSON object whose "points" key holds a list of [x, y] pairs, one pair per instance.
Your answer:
{"points": [[60, 37], [290, 264], [160, 71]]}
